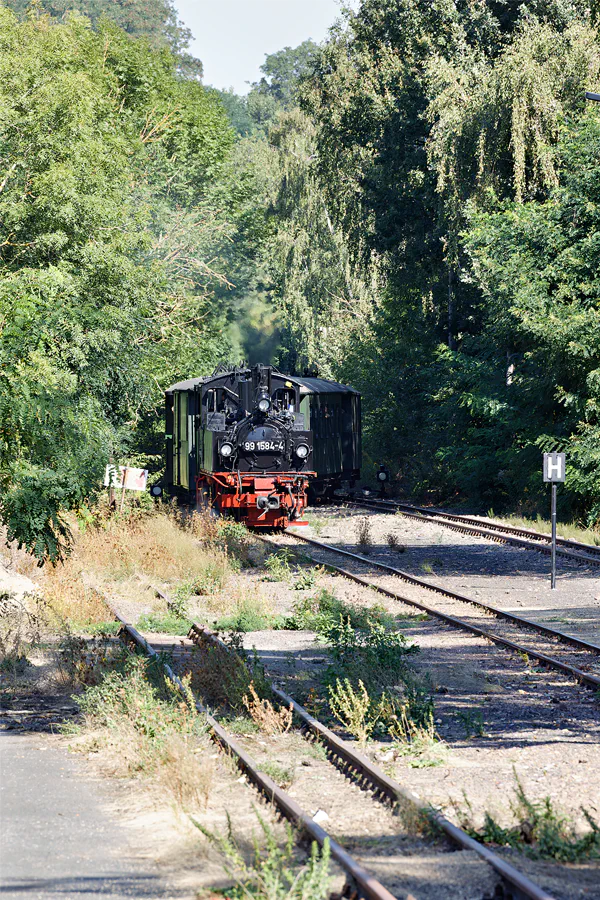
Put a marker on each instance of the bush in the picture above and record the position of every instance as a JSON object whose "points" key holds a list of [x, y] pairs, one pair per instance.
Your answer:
{"points": [[375, 654], [321, 612]]}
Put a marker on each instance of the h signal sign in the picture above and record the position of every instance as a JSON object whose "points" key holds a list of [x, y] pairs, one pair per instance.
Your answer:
{"points": [[554, 467]]}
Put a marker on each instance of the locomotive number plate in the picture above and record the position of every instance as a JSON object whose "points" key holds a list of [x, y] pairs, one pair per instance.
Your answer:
{"points": [[265, 446]]}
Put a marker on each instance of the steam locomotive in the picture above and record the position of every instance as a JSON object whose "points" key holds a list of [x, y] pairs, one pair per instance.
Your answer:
{"points": [[254, 443]]}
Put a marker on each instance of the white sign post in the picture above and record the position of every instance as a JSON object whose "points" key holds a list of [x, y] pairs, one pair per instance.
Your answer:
{"points": [[554, 473]]}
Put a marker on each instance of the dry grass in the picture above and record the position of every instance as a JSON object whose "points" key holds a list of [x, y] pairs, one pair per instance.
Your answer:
{"points": [[394, 543], [570, 530], [363, 534], [263, 713], [125, 557], [187, 770], [69, 599], [147, 730], [21, 625], [155, 547]]}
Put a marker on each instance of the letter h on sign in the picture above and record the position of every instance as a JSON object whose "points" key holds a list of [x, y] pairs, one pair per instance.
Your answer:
{"points": [[554, 467]]}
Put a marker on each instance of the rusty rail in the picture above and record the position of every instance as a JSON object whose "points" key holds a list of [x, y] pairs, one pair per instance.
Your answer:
{"points": [[351, 759], [579, 675], [524, 538], [367, 885]]}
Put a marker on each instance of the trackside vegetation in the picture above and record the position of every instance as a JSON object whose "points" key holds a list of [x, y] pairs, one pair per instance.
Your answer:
{"points": [[107, 155]]}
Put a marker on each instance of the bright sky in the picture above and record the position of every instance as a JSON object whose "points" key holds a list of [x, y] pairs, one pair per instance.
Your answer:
{"points": [[232, 37]]}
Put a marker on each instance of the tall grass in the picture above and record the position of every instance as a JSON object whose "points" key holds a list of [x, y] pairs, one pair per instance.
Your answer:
{"points": [[275, 873], [149, 730], [126, 556]]}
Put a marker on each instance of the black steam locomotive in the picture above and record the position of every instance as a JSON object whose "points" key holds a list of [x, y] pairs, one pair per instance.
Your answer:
{"points": [[252, 442]]}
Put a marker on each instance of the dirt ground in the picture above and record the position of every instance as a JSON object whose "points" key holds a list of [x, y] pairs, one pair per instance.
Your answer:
{"points": [[499, 719]]}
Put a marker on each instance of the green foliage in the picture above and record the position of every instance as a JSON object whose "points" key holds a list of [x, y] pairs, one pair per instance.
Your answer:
{"points": [[278, 566], [538, 265], [164, 623], [101, 268], [131, 691], [250, 615], [472, 721], [275, 874], [322, 612], [282, 75], [305, 580], [155, 20], [375, 654], [540, 832], [353, 708]]}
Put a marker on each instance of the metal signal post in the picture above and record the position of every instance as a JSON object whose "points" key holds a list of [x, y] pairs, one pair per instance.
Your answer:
{"points": [[553, 575], [554, 472]]}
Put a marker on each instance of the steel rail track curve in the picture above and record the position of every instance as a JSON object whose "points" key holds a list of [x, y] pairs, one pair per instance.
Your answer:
{"points": [[367, 885], [343, 754], [494, 531], [592, 681]]}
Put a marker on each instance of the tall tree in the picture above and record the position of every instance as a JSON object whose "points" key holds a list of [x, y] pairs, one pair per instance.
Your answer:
{"points": [[106, 158], [155, 20]]}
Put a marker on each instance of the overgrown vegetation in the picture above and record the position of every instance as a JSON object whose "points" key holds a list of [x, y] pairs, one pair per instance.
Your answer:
{"points": [[149, 728], [540, 831], [225, 677], [276, 873], [111, 248], [20, 632], [131, 554], [370, 684], [262, 712]]}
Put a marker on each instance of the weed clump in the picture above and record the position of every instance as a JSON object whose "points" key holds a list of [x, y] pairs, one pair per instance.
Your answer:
{"points": [[278, 566], [249, 614], [370, 685], [540, 831], [222, 675], [472, 721], [274, 874], [263, 713], [393, 542], [320, 612], [306, 579], [20, 632], [164, 623], [375, 654], [363, 534], [353, 708]]}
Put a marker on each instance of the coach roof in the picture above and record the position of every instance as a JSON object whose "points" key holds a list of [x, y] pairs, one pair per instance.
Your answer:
{"points": [[306, 385]]}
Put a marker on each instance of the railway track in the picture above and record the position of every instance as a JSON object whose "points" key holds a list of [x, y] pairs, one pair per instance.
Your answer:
{"points": [[364, 883], [342, 754], [525, 538], [549, 647]]}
